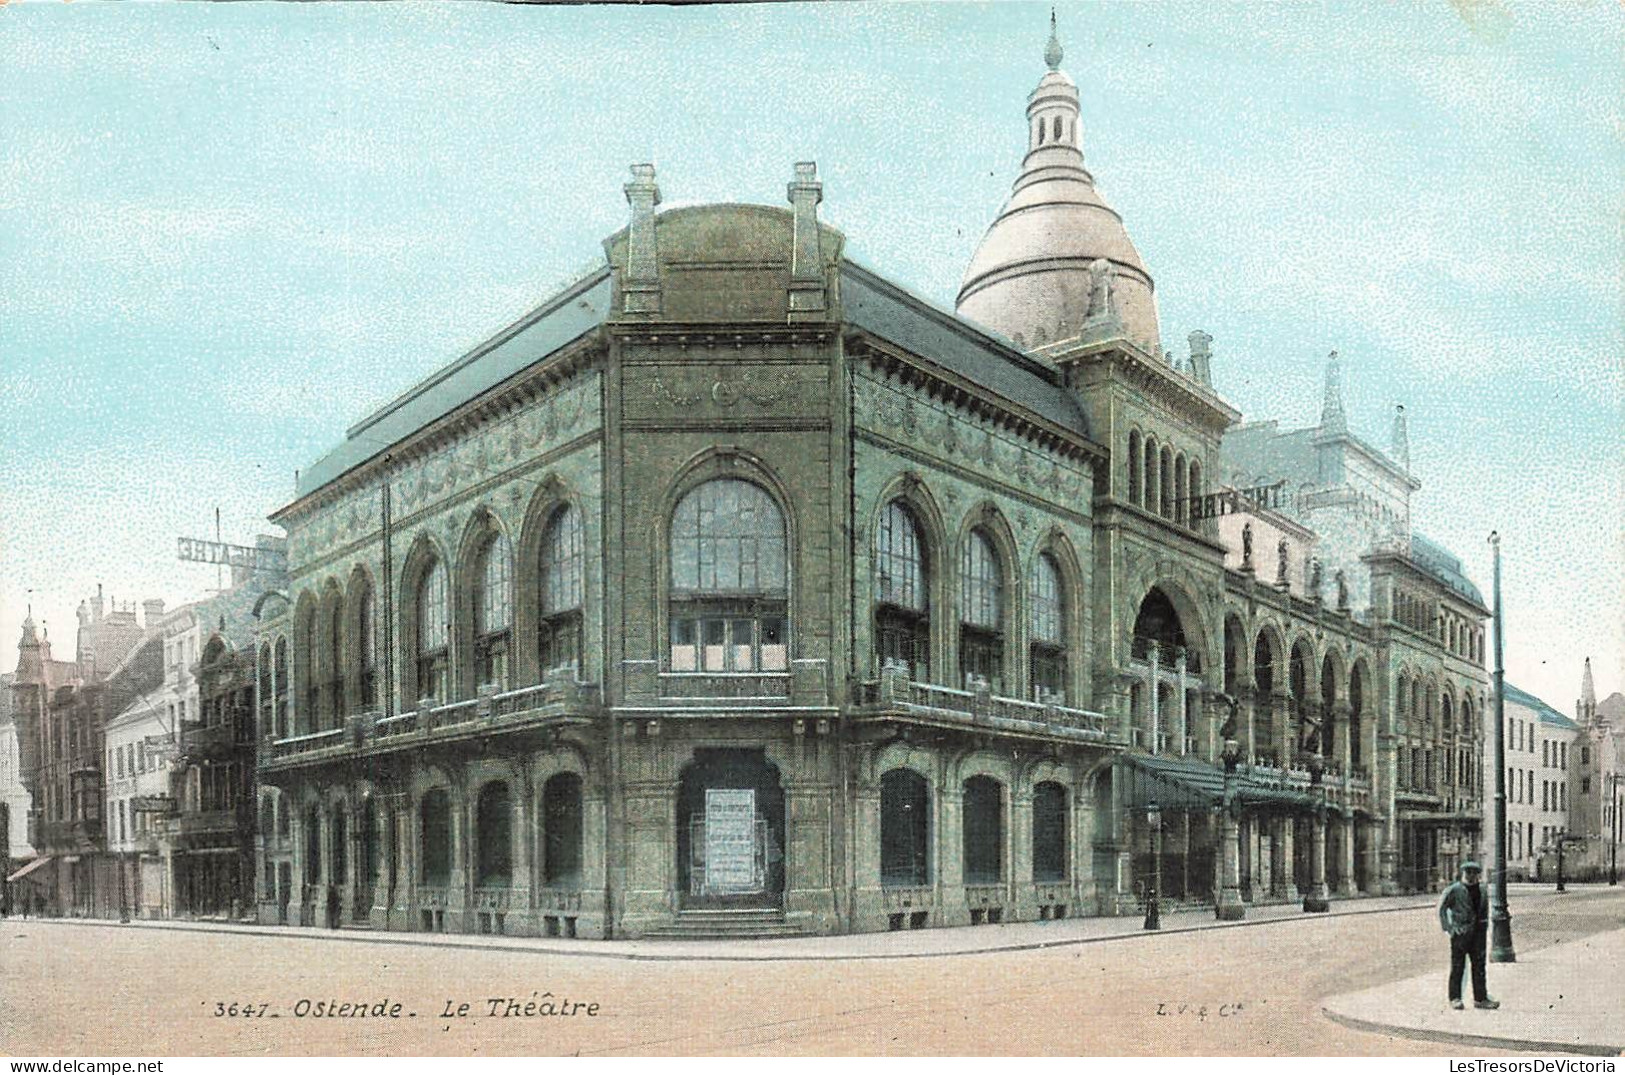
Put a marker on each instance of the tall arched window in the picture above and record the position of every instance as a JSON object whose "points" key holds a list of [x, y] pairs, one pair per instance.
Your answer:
{"points": [[561, 831], [983, 843], [1046, 651], [1049, 832], [313, 845], [310, 629], [493, 836], [902, 605], [434, 836], [1153, 475], [729, 596], [335, 666], [1195, 484], [366, 649], [1165, 467], [1136, 490], [1180, 491], [432, 632], [267, 691], [558, 643], [493, 611], [905, 829], [981, 595], [279, 687]]}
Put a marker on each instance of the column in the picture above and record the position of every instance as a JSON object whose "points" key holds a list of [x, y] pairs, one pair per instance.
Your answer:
{"points": [[1284, 850], [1316, 899], [1346, 885], [1230, 908], [1153, 697], [1388, 857], [1183, 729]]}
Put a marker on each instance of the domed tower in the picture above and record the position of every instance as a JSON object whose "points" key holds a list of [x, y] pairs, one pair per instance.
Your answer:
{"points": [[1040, 262]]}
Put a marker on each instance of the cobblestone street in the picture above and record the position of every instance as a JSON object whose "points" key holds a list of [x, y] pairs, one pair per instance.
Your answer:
{"points": [[1255, 989]]}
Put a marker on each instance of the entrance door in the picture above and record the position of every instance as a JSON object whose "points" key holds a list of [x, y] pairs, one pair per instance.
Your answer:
{"points": [[367, 875], [730, 831]]}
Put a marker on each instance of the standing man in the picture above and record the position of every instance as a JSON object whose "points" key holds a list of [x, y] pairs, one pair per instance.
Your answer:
{"points": [[1464, 913]]}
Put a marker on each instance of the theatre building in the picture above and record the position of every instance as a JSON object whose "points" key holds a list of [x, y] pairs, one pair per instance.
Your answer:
{"points": [[735, 590]]}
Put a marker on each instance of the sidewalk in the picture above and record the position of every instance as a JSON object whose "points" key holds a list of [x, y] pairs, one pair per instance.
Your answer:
{"points": [[903, 944], [1566, 998]]}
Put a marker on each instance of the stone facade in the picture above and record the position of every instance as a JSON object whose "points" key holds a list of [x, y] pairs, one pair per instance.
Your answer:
{"points": [[737, 590]]}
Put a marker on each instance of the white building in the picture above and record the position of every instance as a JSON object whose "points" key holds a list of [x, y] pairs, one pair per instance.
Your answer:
{"points": [[14, 798], [1538, 744]]}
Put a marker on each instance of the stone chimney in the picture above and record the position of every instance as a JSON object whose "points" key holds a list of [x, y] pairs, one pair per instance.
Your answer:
{"points": [[807, 298], [640, 287], [152, 610], [1402, 438]]}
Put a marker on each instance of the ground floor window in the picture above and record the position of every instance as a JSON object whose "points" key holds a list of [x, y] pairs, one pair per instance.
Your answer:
{"points": [[435, 837], [561, 830], [905, 829], [1049, 832], [493, 827], [984, 830]]}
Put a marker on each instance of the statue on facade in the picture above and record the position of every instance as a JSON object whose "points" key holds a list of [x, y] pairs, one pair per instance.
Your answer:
{"points": [[1100, 290], [1342, 590], [1315, 579], [1247, 547], [1281, 561]]}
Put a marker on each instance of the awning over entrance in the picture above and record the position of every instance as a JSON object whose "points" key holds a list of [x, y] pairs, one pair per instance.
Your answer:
{"points": [[1185, 784], [30, 868]]}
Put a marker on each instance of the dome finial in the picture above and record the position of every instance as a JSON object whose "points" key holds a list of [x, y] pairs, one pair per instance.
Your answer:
{"points": [[1052, 51]]}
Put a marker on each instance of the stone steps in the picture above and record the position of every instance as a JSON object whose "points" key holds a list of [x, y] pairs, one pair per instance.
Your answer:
{"points": [[721, 925]]}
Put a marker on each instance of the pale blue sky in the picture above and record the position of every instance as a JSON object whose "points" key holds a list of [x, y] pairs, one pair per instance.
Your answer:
{"points": [[230, 230]]}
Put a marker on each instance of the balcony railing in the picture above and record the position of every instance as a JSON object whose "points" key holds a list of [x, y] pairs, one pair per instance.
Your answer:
{"points": [[895, 693], [485, 712]]}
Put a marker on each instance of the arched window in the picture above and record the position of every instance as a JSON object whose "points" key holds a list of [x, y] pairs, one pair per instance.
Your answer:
{"points": [[981, 595], [729, 596], [432, 632], [1193, 515], [561, 831], [1153, 475], [341, 848], [1136, 490], [493, 611], [1049, 832], [905, 829], [493, 836], [434, 817], [984, 831], [558, 643], [1038, 131], [267, 692], [366, 625], [280, 688], [1165, 467], [335, 665], [309, 628], [1047, 631], [1181, 474], [902, 605], [1055, 127]]}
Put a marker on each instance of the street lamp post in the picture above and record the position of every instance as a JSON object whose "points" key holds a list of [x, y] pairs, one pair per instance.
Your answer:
{"points": [[1153, 910], [1501, 950], [1230, 908], [1561, 840], [1317, 898], [1613, 843]]}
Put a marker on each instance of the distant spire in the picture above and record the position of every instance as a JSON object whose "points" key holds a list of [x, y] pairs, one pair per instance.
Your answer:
{"points": [[1402, 438], [1331, 411], [1588, 689], [1052, 51]]}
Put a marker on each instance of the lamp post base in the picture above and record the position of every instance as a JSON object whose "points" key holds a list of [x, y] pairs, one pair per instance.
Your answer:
{"points": [[1501, 939]]}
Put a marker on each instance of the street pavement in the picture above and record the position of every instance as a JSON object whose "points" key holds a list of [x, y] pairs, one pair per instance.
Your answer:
{"points": [[1090, 987]]}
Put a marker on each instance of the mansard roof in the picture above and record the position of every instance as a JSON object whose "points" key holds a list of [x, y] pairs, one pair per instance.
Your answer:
{"points": [[1441, 564]]}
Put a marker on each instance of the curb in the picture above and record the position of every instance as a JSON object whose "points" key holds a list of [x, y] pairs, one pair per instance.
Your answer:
{"points": [[1480, 1040], [382, 937]]}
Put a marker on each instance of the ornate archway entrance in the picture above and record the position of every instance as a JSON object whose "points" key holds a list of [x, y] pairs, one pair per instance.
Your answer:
{"points": [[730, 830]]}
